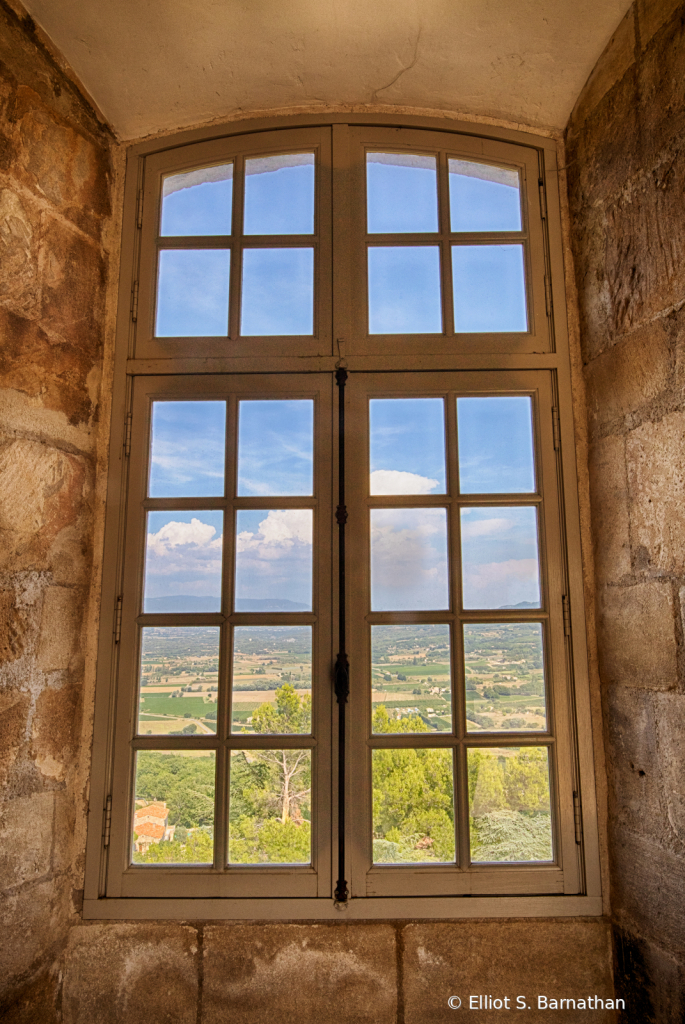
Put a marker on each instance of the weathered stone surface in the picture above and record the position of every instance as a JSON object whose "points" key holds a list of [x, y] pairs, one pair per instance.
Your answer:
{"points": [[34, 914], [617, 57], [60, 624], [635, 780], [317, 973], [560, 959], [610, 512], [36, 1001], [138, 973], [637, 636], [662, 89], [656, 480], [628, 375], [648, 891], [26, 825], [652, 14], [651, 982], [12, 628], [670, 722], [56, 729], [14, 707], [43, 493]]}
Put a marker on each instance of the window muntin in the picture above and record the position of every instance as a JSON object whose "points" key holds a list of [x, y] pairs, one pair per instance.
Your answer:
{"points": [[507, 877]]}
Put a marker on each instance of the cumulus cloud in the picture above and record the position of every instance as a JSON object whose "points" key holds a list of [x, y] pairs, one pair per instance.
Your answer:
{"points": [[274, 561], [395, 481], [281, 530], [173, 535], [187, 555], [485, 527], [495, 584], [409, 559]]}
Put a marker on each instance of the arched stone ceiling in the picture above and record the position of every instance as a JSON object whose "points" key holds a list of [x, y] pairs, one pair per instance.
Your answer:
{"points": [[156, 65]]}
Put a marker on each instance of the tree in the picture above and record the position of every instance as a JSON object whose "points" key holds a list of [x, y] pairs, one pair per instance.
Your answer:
{"points": [[291, 714]]}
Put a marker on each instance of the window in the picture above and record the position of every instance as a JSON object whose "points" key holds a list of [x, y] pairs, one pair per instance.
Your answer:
{"points": [[346, 399]]}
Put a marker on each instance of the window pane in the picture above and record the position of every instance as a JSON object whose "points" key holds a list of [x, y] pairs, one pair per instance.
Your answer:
{"points": [[192, 293], [401, 192], [179, 680], [413, 806], [489, 288], [411, 679], [276, 447], [183, 562], [272, 679], [483, 198], [187, 449], [279, 195], [173, 821], [504, 676], [274, 560], [404, 290], [407, 445], [510, 813], [198, 202], [499, 549], [409, 559], [278, 292], [270, 807], [496, 445]]}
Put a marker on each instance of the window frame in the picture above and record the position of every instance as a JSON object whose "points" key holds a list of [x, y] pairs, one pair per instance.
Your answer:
{"points": [[137, 354]]}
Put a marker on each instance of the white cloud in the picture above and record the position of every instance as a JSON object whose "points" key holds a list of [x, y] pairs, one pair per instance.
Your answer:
{"points": [[486, 527], [409, 558], [189, 552], [281, 529], [395, 481], [173, 535], [495, 584]]}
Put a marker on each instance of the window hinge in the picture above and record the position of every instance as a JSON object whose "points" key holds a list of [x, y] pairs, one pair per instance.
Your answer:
{"points": [[117, 619], [127, 435], [139, 209], [556, 429], [548, 295], [567, 615], [577, 817], [134, 302], [108, 821], [543, 199]]}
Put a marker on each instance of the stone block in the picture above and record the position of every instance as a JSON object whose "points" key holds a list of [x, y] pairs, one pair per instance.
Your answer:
{"points": [[628, 375], [34, 1002], [635, 773], [138, 973], [651, 16], [60, 625], [56, 730], [648, 890], [670, 726], [44, 491], [14, 710], [650, 981], [19, 234], [636, 634], [662, 85], [13, 628], [610, 515], [656, 485], [26, 825], [35, 916], [617, 57], [309, 973], [559, 959]]}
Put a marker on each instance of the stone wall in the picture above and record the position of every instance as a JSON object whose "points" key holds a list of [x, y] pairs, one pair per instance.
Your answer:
{"points": [[55, 207], [626, 173]]}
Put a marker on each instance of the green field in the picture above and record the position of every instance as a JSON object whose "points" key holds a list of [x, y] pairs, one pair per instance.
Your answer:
{"points": [[177, 707]]}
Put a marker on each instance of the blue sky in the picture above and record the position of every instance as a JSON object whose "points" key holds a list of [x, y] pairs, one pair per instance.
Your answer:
{"points": [[496, 445], [500, 564], [187, 451], [276, 447], [407, 445], [274, 558], [409, 559], [183, 557], [404, 280]]}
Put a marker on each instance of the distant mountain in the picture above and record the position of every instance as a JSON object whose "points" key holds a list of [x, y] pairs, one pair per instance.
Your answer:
{"points": [[521, 604], [182, 603]]}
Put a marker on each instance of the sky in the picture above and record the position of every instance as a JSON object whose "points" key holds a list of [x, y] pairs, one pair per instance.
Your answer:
{"points": [[277, 284], [409, 569]]}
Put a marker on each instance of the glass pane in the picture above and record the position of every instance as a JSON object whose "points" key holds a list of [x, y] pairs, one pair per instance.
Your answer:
{"points": [[505, 676], [279, 195], [413, 806], [409, 559], [404, 290], [179, 681], [489, 288], [187, 449], [401, 192], [272, 679], [407, 445], [183, 562], [499, 548], [192, 293], [496, 445], [274, 560], [173, 821], [270, 807], [483, 198], [510, 813], [276, 447], [411, 679], [198, 202], [278, 292]]}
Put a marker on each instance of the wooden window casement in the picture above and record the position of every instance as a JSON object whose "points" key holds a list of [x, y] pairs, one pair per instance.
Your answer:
{"points": [[343, 434]]}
